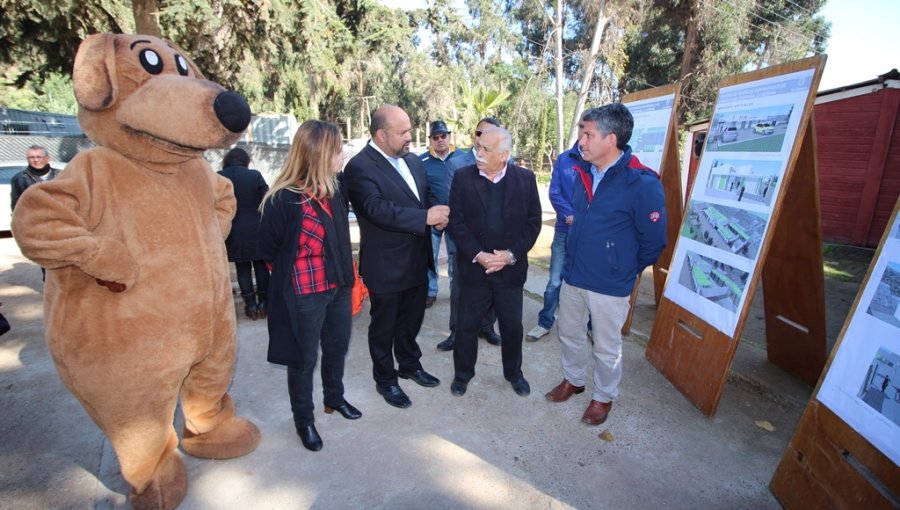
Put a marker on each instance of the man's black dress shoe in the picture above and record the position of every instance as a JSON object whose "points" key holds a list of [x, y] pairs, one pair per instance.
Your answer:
{"points": [[309, 437], [491, 337], [521, 387], [346, 410], [394, 396], [421, 377], [458, 388], [448, 344]]}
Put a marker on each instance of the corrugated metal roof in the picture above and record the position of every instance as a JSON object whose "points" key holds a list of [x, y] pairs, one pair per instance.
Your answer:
{"points": [[23, 122]]}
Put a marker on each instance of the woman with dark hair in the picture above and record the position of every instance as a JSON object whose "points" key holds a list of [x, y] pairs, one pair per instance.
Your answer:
{"points": [[305, 236], [241, 244]]}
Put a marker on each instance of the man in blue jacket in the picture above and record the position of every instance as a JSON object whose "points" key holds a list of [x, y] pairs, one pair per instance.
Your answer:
{"points": [[618, 229], [562, 182], [436, 160]]}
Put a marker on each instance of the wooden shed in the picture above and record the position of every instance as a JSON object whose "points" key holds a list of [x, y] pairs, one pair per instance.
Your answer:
{"points": [[858, 138]]}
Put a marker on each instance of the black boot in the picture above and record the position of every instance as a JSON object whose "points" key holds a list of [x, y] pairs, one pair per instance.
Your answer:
{"points": [[261, 309], [250, 307]]}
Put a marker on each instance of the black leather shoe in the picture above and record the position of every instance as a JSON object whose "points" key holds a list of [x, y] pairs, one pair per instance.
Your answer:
{"points": [[448, 344], [521, 387], [394, 396], [346, 410], [491, 337], [458, 388], [309, 437], [421, 377]]}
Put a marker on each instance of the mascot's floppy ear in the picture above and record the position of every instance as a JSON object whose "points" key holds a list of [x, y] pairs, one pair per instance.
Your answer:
{"points": [[95, 70]]}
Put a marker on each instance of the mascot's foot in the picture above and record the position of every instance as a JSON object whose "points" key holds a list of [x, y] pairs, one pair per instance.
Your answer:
{"points": [[167, 489], [233, 438]]}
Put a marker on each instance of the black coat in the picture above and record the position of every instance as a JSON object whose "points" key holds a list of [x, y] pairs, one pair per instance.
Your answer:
{"points": [[521, 220], [249, 189], [279, 237], [395, 242]]}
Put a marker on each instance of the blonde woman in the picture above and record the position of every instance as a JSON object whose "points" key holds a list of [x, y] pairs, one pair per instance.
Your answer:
{"points": [[305, 236]]}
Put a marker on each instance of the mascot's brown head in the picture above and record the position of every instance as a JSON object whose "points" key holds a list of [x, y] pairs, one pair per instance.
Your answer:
{"points": [[144, 98]]}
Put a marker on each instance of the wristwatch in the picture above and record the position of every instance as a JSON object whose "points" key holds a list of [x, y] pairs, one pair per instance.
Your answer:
{"points": [[512, 258]]}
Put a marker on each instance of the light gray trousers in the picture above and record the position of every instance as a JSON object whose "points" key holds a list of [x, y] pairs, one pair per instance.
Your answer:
{"points": [[607, 315]]}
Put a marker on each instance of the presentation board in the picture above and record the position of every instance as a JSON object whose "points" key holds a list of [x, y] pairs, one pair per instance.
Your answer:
{"points": [[862, 385], [654, 141], [845, 452], [740, 175], [758, 162]]}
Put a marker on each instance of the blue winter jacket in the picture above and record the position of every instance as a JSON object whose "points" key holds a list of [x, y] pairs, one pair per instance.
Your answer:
{"points": [[562, 183], [618, 231]]}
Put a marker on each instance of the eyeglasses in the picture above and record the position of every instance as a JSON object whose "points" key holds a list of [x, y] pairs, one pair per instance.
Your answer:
{"points": [[439, 137]]}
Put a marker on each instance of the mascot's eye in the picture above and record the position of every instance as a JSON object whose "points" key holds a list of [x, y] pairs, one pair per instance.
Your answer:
{"points": [[181, 64], [151, 61]]}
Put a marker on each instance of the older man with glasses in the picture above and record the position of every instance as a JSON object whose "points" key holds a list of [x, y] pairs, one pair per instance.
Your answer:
{"points": [[38, 170], [439, 155]]}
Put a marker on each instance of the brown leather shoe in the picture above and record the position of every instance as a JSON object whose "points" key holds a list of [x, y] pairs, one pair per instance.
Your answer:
{"points": [[563, 391], [596, 413]]}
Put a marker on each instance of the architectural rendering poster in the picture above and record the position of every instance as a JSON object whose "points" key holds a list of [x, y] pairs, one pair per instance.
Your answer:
{"points": [[651, 127], [751, 137], [863, 383]]}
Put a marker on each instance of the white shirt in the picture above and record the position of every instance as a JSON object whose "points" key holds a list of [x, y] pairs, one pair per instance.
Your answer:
{"points": [[402, 169]]}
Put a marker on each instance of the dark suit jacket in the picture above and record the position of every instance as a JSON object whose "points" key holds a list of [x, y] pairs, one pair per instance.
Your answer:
{"points": [[395, 242], [521, 219]]}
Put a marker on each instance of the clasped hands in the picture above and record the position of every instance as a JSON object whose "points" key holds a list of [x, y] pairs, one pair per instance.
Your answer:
{"points": [[438, 216], [493, 262]]}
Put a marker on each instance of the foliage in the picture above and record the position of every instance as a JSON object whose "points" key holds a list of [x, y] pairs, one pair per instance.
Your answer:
{"points": [[339, 59]]}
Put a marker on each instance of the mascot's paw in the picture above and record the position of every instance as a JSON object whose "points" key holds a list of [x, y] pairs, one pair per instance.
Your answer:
{"points": [[233, 438], [167, 489]]}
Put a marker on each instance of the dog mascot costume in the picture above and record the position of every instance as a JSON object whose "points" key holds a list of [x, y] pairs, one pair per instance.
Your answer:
{"points": [[138, 303]]}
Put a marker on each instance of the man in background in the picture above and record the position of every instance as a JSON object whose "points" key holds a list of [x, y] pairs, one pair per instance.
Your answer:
{"points": [[441, 151], [38, 170]]}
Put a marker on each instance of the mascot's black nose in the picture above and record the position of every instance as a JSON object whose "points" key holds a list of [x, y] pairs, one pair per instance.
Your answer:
{"points": [[233, 111]]}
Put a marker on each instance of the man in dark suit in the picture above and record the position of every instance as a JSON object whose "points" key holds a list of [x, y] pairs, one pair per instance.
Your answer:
{"points": [[495, 218], [388, 188]]}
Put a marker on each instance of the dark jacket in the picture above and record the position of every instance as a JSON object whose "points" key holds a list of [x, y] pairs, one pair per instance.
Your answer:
{"points": [[521, 220], [249, 189], [617, 232], [395, 242], [24, 179], [279, 234]]}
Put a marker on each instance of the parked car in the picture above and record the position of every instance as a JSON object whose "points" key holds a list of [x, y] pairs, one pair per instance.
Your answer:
{"points": [[7, 170], [729, 135], [764, 128]]}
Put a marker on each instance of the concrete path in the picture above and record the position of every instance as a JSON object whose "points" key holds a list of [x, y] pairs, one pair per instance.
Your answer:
{"points": [[488, 449]]}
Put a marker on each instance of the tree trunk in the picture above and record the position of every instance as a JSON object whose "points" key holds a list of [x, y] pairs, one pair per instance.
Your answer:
{"points": [[560, 106], [586, 80], [687, 60], [146, 17]]}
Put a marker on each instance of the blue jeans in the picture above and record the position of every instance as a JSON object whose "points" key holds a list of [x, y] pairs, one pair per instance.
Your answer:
{"points": [[324, 319], [551, 293], [436, 250]]}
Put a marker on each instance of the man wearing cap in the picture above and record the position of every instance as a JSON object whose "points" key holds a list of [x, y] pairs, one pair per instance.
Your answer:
{"points": [[441, 151]]}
